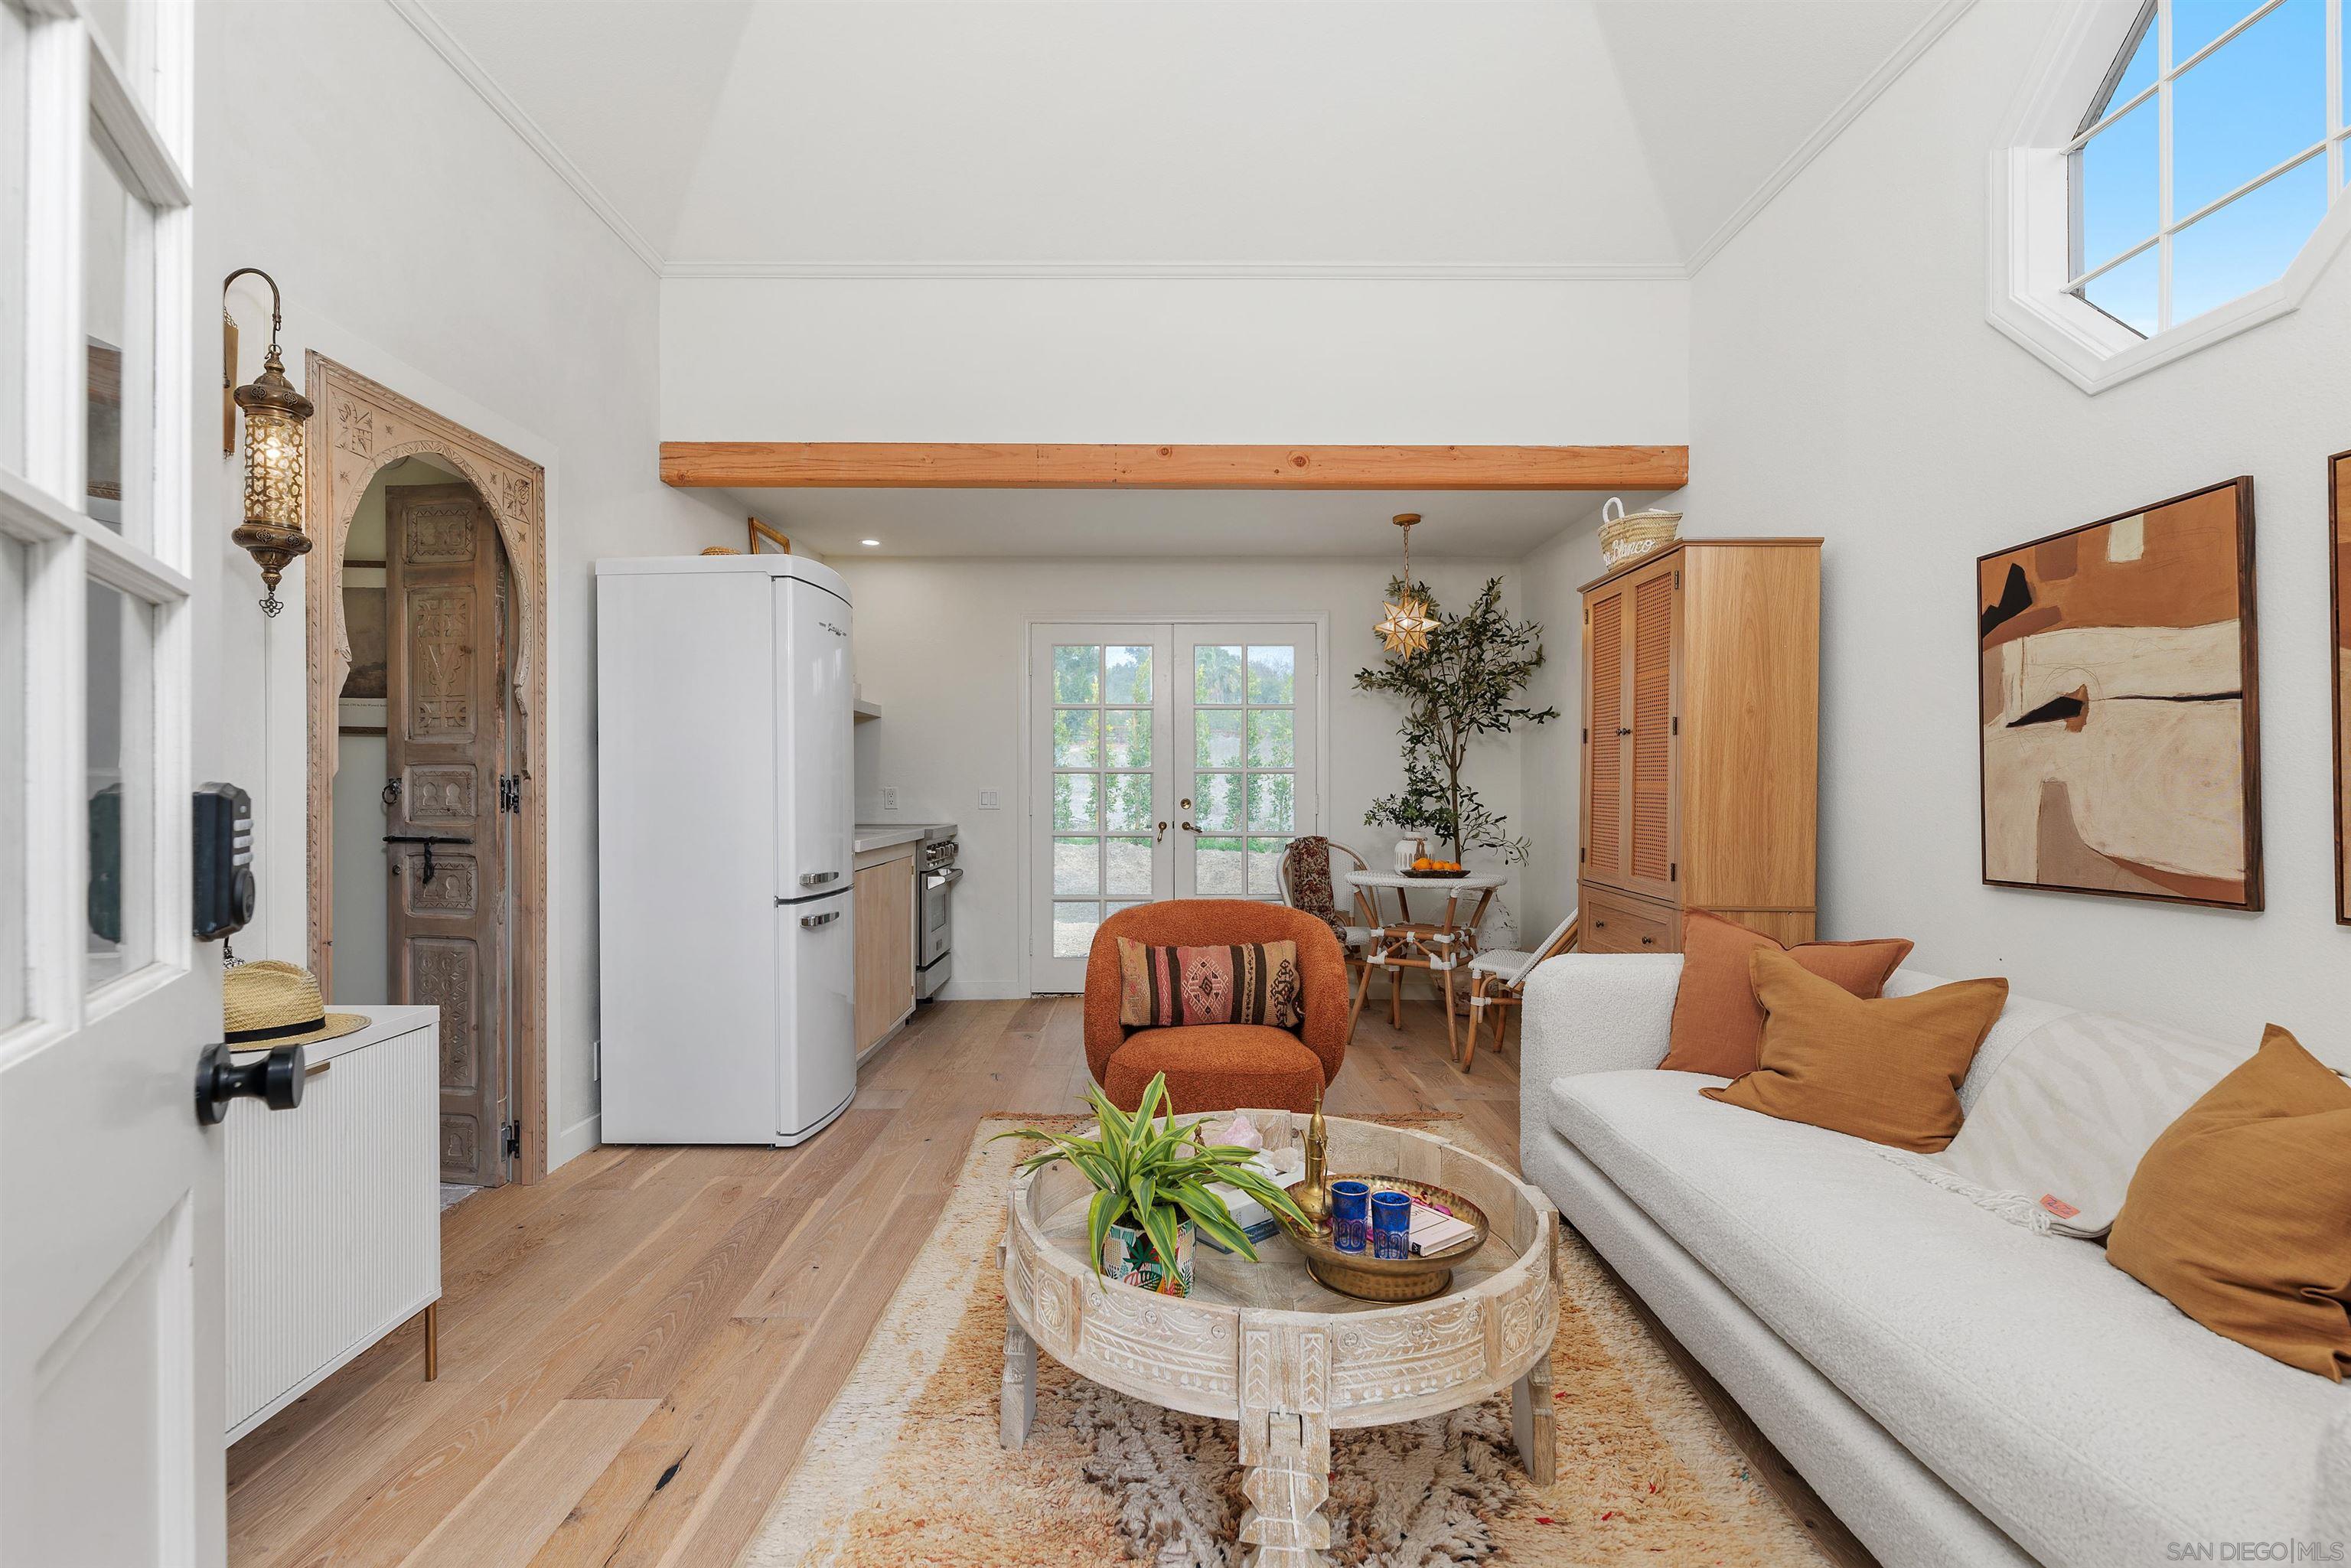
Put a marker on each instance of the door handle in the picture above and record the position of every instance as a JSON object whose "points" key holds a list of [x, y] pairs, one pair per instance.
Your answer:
{"points": [[275, 1081], [810, 922], [1188, 827], [817, 878], [1161, 837], [428, 840]]}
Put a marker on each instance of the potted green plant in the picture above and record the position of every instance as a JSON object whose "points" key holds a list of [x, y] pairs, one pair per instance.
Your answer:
{"points": [[1150, 1180]]}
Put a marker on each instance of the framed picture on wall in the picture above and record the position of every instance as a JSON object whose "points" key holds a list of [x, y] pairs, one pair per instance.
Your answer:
{"points": [[2338, 564], [2120, 721]]}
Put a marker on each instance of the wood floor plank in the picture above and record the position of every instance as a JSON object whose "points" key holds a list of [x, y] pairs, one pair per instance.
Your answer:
{"points": [[525, 1496], [635, 1351]]}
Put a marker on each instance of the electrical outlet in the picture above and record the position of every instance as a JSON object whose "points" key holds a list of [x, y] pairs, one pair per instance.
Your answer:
{"points": [[889, 797], [990, 800]]}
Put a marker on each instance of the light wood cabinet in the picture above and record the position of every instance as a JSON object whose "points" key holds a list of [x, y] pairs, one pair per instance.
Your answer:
{"points": [[884, 901], [1701, 736]]}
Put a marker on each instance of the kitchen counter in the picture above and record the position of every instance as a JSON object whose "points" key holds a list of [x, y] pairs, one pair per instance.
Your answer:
{"points": [[871, 838]]}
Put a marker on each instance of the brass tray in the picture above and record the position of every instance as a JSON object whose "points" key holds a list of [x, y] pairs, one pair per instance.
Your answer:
{"points": [[1370, 1279]]}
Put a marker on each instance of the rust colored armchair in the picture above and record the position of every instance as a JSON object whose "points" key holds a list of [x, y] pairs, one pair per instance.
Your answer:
{"points": [[1219, 1067]]}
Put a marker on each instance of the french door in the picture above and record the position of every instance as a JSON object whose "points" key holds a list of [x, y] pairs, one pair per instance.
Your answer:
{"points": [[1168, 760], [112, 1342]]}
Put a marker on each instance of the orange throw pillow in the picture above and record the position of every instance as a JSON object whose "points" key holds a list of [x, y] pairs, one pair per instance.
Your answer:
{"points": [[1888, 1070], [1717, 1023], [2240, 1215]]}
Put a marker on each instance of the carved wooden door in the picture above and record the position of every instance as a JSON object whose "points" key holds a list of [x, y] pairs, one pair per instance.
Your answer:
{"points": [[445, 737]]}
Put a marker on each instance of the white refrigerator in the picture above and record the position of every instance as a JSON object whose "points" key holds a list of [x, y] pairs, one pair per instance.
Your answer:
{"points": [[724, 823]]}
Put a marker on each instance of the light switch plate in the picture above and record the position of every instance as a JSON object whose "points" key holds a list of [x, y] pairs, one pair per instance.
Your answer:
{"points": [[990, 800]]}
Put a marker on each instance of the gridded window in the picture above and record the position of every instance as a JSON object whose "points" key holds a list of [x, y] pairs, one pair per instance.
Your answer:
{"points": [[1245, 756], [2209, 154], [1103, 796]]}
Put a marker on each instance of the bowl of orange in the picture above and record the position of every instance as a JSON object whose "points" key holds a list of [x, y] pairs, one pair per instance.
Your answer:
{"points": [[1437, 870]]}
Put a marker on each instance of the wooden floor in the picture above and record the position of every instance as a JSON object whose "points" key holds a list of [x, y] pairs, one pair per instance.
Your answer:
{"points": [[633, 1350]]}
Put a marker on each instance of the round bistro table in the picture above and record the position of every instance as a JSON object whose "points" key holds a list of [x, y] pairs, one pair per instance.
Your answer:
{"points": [[1263, 1344], [1436, 947]]}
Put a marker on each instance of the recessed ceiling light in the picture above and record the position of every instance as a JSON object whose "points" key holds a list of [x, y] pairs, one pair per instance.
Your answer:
{"points": [[871, 544]]}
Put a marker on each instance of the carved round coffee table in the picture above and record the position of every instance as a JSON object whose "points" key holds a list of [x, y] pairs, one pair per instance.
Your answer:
{"points": [[1265, 1346]]}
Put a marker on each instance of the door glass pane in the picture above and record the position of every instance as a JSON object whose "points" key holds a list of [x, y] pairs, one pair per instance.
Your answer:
{"points": [[14, 560], [1272, 674], [119, 785], [1127, 866], [1076, 743], [118, 324], [1073, 928], [1273, 804], [1126, 739], [1073, 800], [1216, 675], [1126, 801], [1218, 737], [1216, 869], [1216, 800], [1077, 672], [2247, 244], [2196, 23], [13, 83], [2257, 101], [1271, 743], [1077, 865], [1128, 677], [1265, 867]]}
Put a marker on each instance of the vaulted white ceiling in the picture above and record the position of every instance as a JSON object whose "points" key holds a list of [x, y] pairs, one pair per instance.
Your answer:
{"points": [[1545, 137]]}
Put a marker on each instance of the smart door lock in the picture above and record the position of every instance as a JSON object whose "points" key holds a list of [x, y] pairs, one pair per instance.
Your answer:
{"points": [[224, 879]]}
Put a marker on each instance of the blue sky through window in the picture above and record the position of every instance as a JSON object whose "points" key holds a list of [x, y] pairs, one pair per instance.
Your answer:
{"points": [[2257, 101]]}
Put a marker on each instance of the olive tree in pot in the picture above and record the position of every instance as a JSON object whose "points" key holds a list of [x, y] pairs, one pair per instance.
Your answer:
{"points": [[1466, 683]]}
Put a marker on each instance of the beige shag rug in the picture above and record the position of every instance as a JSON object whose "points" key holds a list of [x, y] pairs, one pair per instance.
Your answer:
{"points": [[904, 1469]]}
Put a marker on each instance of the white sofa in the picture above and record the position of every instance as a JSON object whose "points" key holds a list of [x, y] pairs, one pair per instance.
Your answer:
{"points": [[1959, 1389]]}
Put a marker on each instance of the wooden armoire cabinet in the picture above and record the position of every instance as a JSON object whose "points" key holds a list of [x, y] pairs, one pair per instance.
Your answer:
{"points": [[1701, 742]]}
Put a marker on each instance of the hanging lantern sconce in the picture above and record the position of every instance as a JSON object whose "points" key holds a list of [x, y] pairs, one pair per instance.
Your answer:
{"points": [[274, 416]]}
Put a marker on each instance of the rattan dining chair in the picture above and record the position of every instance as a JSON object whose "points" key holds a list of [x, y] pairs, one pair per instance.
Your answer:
{"points": [[1499, 980]]}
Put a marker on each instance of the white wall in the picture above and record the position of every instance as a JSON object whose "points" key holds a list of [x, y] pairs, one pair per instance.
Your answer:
{"points": [[942, 647], [1846, 384], [1315, 359], [420, 242], [1550, 757]]}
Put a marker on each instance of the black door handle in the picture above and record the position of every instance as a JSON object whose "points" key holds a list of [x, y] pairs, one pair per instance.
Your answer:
{"points": [[275, 1081], [428, 840]]}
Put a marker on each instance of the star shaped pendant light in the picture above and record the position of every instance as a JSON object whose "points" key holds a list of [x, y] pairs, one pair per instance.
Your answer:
{"points": [[1405, 627]]}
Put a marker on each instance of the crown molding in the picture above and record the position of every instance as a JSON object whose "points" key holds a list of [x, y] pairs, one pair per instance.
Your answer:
{"points": [[1890, 71], [477, 75], [1255, 271]]}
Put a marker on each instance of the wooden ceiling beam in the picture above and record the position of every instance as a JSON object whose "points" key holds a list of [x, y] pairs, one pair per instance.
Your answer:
{"points": [[977, 466]]}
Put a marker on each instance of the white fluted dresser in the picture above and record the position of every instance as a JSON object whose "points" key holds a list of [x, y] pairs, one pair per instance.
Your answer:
{"points": [[333, 1212]]}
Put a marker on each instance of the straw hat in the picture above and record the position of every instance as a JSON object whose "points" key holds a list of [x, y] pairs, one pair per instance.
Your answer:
{"points": [[268, 1003]]}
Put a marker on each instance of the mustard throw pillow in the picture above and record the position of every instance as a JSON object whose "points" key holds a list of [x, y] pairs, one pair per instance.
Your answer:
{"points": [[2240, 1215], [1887, 1069]]}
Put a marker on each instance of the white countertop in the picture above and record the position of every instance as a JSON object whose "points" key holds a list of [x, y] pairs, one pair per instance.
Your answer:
{"points": [[868, 840]]}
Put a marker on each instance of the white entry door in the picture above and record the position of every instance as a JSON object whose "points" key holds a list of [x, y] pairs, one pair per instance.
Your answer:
{"points": [[111, 1361], [1169, 760]]}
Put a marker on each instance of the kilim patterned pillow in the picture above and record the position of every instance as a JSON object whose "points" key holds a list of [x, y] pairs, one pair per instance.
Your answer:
{"points": [[1162, 987]]}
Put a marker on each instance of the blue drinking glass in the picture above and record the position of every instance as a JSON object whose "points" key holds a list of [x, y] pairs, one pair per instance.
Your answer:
{"points": [[1390, 1224], [1351, 1214]]}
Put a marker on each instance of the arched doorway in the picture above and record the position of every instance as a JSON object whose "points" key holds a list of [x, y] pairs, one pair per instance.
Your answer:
{"points": [[360, 432]]}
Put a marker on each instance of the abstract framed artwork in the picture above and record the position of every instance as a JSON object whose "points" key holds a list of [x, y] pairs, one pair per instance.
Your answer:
{"points": [[2118, 705], [2338, 564]]}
